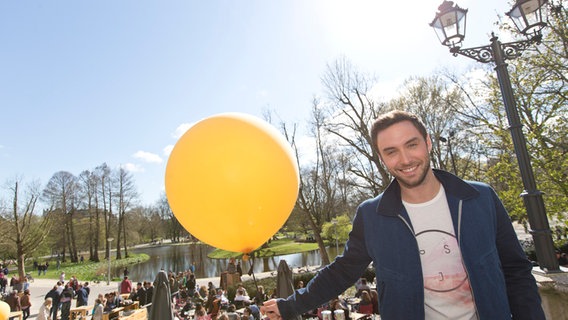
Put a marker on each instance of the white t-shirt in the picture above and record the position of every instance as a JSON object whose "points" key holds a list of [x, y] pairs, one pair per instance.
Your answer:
{"points": [[447, 293]]}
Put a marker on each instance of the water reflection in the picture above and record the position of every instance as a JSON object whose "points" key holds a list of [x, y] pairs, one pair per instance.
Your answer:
{"points": [[180, 257]]}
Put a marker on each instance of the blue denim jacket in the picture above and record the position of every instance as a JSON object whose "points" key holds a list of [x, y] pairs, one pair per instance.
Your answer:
{"points": [[499, 271]]}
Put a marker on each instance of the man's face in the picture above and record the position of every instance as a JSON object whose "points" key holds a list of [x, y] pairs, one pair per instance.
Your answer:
{"points": [[405, 153]]}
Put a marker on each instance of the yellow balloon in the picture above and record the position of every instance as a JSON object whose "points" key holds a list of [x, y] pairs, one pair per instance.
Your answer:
{"points": [[4, 310], [232, 182]]}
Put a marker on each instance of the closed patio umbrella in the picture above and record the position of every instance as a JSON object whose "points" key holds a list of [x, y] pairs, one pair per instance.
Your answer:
{"points": [[284, 282], [161, 300]]}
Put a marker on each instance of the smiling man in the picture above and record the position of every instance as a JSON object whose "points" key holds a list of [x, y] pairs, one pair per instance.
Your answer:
{"points": [[442, 248]]}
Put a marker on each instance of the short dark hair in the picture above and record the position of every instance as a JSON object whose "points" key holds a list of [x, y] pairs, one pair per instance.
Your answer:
{"points": [[393, 117]]}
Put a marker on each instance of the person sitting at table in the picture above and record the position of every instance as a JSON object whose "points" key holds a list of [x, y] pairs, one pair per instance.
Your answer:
{"points": [[240, 298], [203, 292], [365, 306], [260, 296], [139, 294], [337, 304], [375, 301], [45, 309], [247, 314], [201, 314], [212, 305], [111, 301], [98, 310], [232, 313], [363, 286]]}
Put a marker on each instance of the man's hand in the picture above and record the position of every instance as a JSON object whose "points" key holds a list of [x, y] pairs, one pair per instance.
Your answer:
{"points": [[270, 309]]}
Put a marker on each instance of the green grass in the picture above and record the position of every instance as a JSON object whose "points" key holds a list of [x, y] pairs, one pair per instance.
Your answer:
{"points": [[275, 248], [87, 270]]}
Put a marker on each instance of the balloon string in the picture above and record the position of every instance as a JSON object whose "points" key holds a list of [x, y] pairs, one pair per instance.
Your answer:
{"points": [[251, 272]]}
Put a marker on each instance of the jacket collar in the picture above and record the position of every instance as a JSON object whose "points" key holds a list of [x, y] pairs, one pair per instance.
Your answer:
{"points": [[390, 202]]}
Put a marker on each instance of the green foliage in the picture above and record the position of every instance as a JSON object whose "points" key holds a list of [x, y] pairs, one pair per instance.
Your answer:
{"points": [[274, 248], [87, 270], [339, 230]]}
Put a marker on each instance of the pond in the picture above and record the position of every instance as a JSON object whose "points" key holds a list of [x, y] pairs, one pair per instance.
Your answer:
{"points": [[180, 257]]}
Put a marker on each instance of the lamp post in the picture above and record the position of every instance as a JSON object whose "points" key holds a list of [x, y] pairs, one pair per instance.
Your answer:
{"points": [[334, 221], [449, 25], [109, 240]]}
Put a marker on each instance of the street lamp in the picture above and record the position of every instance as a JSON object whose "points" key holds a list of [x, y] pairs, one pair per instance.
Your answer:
{"points": [[109, 240], [449, 25], [334, 221]]}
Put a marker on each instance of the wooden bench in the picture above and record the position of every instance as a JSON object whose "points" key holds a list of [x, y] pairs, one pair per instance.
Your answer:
{"points": [[82, 311], [15, 314], [132, 306], [113, 314], [138, 314]]}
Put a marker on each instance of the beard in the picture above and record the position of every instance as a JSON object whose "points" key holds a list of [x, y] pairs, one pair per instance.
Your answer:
{"points": [[414, 182]]}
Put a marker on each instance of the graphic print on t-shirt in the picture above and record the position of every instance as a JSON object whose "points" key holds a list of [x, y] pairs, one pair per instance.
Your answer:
{"points": [[441, 261], [447, 292]]}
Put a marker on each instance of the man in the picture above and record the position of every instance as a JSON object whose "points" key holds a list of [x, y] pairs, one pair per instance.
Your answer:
{"points": [[140, 294], [125, 285], [54, 296], [149, 291], [82, 296], [442, 248], [13, 300]]}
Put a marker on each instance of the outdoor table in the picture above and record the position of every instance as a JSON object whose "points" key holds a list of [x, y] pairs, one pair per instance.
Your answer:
{"points": [[357, 316], [14, 314], [138, 314], [81, 311], [133, 305], [114, 313]]}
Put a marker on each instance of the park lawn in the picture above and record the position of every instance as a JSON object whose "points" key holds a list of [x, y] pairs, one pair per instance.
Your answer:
{"points": [[275, 248], [87, 270]]}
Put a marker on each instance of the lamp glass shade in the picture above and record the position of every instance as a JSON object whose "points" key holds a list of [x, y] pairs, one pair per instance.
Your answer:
{"points": [[527, 16], [449, 24]]}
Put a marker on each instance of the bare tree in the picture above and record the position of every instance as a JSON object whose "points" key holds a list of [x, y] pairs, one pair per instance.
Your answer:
{"points": [[320, 180], [350, 110], [174, 228], [88, 185], [26, 230], [61, 191], [126, 197], [435, 100], [105, 191]]}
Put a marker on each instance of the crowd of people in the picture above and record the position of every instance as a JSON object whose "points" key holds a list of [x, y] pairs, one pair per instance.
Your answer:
{"points": [[202, 302]]}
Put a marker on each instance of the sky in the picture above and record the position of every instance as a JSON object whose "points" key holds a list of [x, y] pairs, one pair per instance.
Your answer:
{"points": [[89, 82]]}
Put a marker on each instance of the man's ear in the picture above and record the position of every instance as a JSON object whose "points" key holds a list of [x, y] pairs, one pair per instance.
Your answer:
{"points": [[429, 142]]}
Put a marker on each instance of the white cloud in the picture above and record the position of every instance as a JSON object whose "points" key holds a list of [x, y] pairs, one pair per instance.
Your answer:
{"points": [[181, 129], [131, 167], [148, 157], [167, 150]]}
